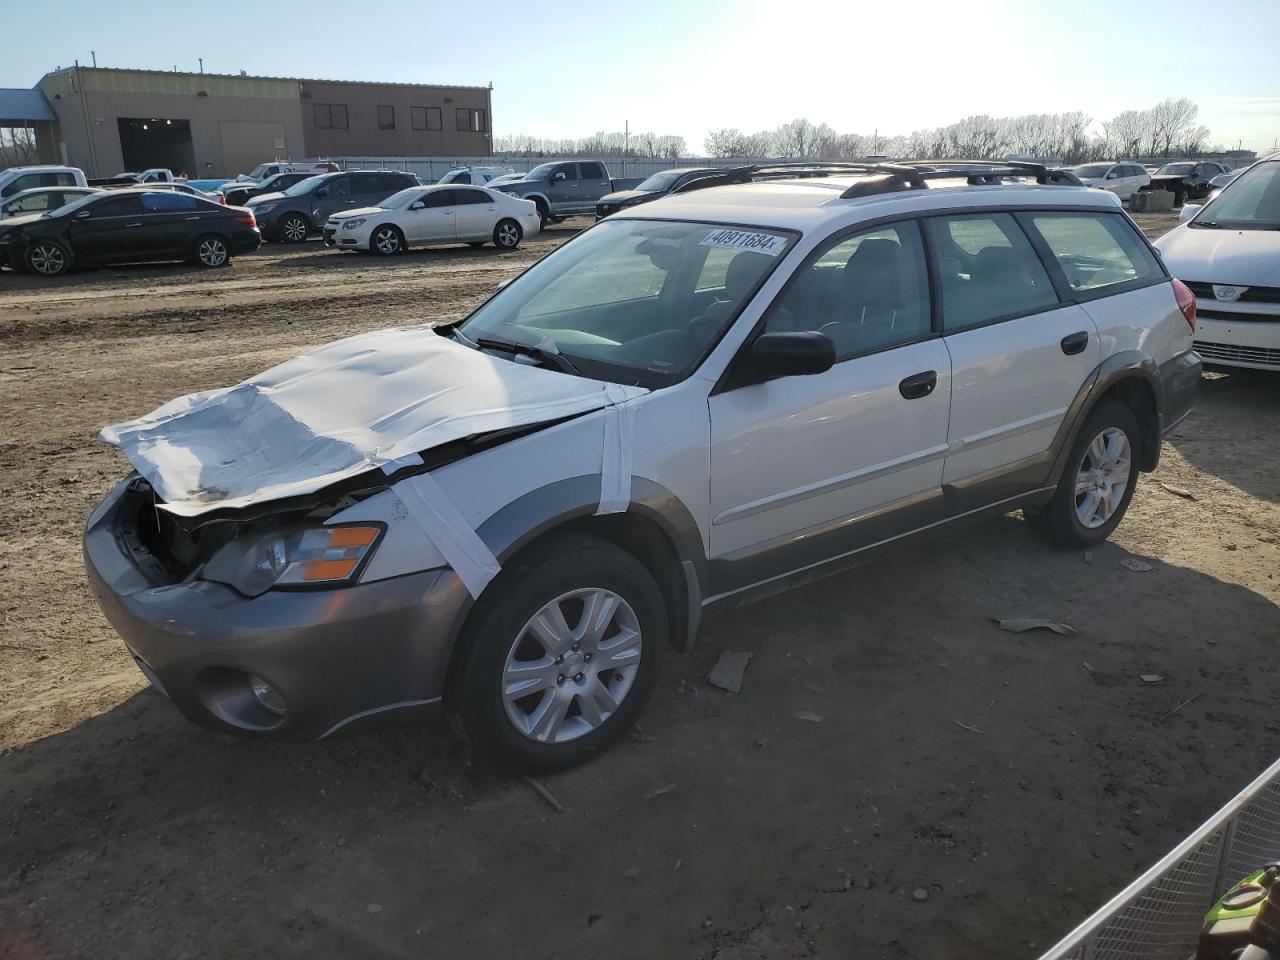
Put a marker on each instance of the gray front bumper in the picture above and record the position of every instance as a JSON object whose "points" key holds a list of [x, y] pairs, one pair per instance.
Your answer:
{"points": [[336, 656]]}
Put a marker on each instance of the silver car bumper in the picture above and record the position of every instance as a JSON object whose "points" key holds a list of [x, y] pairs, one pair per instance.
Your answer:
{"points": [[337, 658]]}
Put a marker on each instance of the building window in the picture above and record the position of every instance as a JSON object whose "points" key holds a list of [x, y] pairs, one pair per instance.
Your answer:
{"points": [[386, 118], [425, 118], [329, 116], [471, 120]]}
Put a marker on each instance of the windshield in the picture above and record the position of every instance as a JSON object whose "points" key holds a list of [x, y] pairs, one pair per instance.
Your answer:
{"points": [[1175, 170], [1249, 202], [1091, 171], [304, 186], [75, 204], [540, 172], [258, 172], [660, 182], [634, 301], [451, 176], [401, 199]]}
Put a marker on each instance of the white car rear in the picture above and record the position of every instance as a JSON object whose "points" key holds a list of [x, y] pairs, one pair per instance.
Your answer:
{"points": [[1228, 253], [423, 216], [1122, 179]]}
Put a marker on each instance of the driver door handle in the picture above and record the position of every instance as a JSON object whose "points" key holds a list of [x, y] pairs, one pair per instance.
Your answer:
{"points": [[918, 385], [1074, 343]]}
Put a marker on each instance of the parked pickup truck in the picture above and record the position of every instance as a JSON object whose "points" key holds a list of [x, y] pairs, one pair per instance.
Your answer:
{"points": [[565, 188], [154, 175]]}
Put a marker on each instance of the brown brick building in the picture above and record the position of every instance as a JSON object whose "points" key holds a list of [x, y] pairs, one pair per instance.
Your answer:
{"points": [[216, 125]]}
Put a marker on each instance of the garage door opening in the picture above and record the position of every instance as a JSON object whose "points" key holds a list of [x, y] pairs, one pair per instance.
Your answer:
{"points": [[148, 142]]}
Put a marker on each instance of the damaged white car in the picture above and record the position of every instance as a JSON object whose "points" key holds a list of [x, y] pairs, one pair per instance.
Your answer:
{"points": [[722, 394]]}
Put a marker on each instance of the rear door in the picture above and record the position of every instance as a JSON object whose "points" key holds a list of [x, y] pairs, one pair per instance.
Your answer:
{"points": [[171, 221], [594, 184], [797, 464], [1019, 355], [476, 213]]}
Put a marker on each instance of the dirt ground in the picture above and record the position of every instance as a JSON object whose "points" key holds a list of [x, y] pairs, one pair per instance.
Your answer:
{"points": [[1018, 780]]}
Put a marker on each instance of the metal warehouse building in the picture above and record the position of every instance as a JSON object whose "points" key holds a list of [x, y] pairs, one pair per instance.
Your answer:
{"points": [[214, 125]]}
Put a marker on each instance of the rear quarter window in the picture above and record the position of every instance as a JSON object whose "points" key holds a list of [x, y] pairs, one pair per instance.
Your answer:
{"points": [[1096, 251]]}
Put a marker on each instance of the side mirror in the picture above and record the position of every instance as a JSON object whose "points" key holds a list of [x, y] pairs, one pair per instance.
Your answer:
{"points": [[502, 283], [322, 193], [418, 205], [84, 214], [792, 354], [1188, 211], [558, 175]]}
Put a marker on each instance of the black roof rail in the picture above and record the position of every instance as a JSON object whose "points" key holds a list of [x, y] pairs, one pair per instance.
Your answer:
{"points": [[884, 177]]}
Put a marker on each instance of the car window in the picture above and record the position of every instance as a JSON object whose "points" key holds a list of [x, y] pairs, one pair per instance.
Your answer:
{"points": [[570, 170], [471, 196], [1251, 203], [339, 188], [619, 299], [118, 207], [168, 202], [987, 269], [866, 291], [24, 182], [591, 171], [1096, 250], [35, 202], [440, 198]]}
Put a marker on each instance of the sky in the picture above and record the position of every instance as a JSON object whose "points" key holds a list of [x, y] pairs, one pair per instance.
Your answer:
{"points": [[569, 69]]}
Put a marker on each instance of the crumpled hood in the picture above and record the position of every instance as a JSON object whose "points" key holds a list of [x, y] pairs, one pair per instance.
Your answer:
{"points": [[1240, 257], [351, 406]]}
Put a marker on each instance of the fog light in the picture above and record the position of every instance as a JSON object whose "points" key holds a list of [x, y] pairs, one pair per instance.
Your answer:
{"points": [[267, 695]]}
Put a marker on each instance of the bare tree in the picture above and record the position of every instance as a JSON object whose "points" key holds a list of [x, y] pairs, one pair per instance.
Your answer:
{"points": [[794, 139], [18, 147]]}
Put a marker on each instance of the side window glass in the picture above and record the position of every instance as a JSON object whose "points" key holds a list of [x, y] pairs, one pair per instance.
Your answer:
{"points": [[866, 292], [987, 269], [167, 202], [116, 207], [1095, 250], [471, 196], [591, 171], [440, 198], [25, 182], [570, 170], [340, 188]]}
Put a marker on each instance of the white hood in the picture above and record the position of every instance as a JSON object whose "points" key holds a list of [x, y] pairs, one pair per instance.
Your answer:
{"points": [[358, 212], [1240, 257], [346, 408]]}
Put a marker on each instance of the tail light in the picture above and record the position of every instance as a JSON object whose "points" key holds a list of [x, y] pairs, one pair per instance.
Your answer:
{"points": [[248, 220], [1186, 302], [222, 199]]}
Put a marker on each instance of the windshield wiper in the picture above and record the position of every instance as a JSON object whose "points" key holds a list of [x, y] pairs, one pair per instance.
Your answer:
{"points": [[545, 357], [1207, 224]]}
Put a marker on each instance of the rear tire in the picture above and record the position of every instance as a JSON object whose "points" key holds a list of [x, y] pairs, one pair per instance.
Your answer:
{"points": [[531, 710], [1090, 500], [507, 235], [544, 213], [47, 258], [387, 241], [211, 251], [293, 229]]}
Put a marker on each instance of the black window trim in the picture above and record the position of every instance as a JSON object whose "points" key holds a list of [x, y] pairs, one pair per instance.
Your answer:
{"points": [[378, 112]]}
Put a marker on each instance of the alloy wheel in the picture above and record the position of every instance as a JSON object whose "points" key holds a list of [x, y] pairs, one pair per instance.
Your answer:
{"points": [[295, 229], [508, 235], [571, 666], [48, 259], [1103, 477], [212, 252], [387, 241]]}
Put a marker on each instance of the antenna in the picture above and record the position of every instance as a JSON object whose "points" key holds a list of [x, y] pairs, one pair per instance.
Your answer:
{"points": [[94, 54], [201, 59]]}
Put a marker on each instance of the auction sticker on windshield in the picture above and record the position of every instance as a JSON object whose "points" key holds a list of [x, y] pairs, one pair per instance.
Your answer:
{"points": [[745, 240]]}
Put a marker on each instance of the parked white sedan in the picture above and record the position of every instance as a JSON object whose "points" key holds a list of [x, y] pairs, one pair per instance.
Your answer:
{"points": [[1122, 179], [437, 214]]}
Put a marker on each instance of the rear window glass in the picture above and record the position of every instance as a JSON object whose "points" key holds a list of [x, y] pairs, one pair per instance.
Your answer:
{"points": [[163, 202], [1095, 250], [987, 269]]}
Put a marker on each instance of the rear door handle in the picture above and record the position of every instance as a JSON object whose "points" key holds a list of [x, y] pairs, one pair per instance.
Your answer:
{"points": [[133, 224], [918, 385], [1074, 343]]}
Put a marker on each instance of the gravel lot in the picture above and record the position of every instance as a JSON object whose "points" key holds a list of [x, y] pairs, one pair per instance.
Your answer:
{"points": [[1018, 780]]}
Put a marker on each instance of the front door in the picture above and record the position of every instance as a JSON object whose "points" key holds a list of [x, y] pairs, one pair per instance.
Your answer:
{"points": [[563, 189], [434, 221], [112, 230], [798, 464], [332, 197], [1018, 354], [594, 185]]}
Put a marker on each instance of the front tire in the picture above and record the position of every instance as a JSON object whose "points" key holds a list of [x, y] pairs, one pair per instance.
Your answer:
{"points": [[293, 229], [561, 654], [387, 241], [212, 252], [1098, 483], [47, 258], [507, 235]]}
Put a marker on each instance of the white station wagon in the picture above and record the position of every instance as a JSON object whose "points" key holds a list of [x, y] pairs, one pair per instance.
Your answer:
{"points": [[699, 402]]}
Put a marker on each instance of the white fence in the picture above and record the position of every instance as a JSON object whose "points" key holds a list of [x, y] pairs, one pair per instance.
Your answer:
{"points": [[431, 169], [1159, 915]]}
